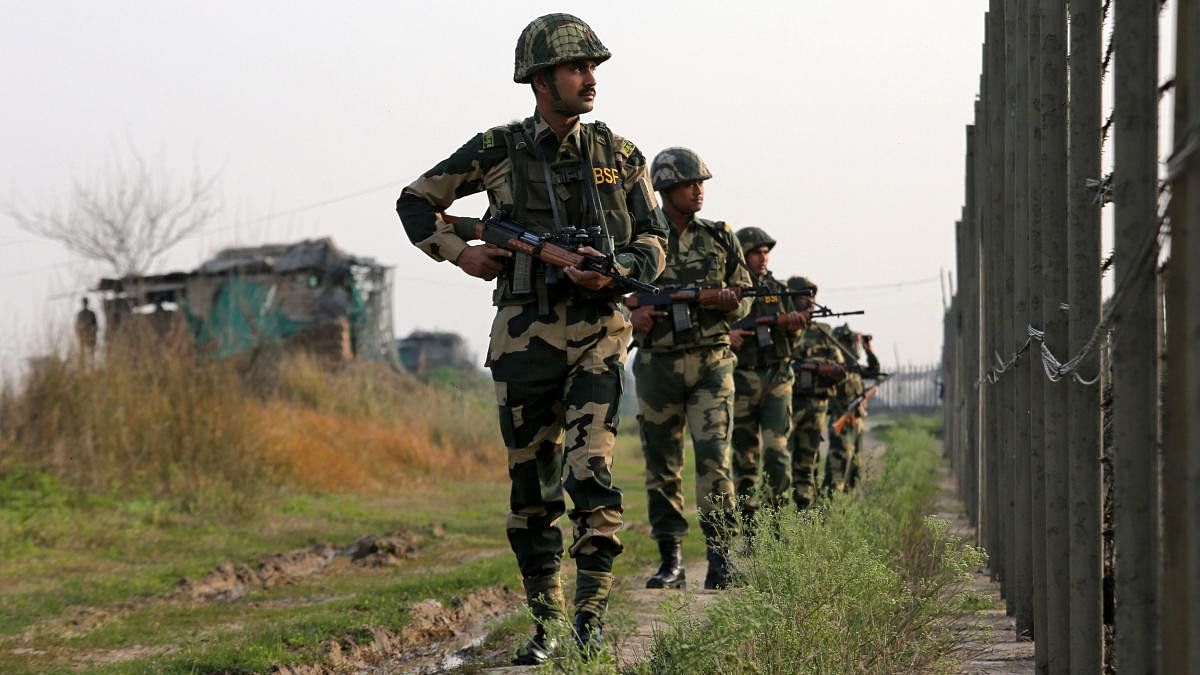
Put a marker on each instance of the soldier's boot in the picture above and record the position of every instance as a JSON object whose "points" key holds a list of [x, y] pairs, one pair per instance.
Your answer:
{"points": [[536, 650], [589, 634], [544, 597], [670, 573], [718, 568]]}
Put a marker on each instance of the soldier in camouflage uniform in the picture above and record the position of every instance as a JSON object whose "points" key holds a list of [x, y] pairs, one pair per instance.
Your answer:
{"points": [[763, 380], [819, 366], [558, 349], [842, 447], [686, 378]]}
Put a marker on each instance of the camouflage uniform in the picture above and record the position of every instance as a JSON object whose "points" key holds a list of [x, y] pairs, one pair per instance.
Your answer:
{"points": [[842, 447], [687, 378], [763, 402], [557, 351], [810, 403]]}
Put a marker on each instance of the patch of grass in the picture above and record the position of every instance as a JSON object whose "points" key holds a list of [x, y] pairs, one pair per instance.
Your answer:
{"points": [[864, 584]]}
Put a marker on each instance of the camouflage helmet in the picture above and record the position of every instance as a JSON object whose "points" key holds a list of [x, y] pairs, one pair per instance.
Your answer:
{"points": [[553, 39], [677, 165], [752, 237], [844, 334], [801, 284]]}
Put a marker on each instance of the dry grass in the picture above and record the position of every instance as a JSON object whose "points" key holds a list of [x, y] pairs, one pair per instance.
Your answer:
{"points": [[164, 422]]}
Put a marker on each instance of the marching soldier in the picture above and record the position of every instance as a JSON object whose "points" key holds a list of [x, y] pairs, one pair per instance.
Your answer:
{"points": [[557, 350], [819, 366], [684, 372], [842, 447], [763, 382]]}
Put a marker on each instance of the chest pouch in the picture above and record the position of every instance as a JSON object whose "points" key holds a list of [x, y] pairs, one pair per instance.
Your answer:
{"points": [[681, 317]]}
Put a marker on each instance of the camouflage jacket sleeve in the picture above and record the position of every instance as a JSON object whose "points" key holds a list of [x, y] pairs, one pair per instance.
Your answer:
{"points": [[737, 273], [463, 173], [644, 256]]}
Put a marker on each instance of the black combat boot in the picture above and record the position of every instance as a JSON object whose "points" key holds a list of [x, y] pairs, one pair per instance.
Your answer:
{"points": [[536, 651], [589, 634], [718, 568], [670, 573]]}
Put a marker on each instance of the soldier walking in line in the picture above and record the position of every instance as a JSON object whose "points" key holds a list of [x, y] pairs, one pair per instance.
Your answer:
{"points": [[839, 462], [763, 381], [558, 350], [86, 330], [685, 377], [819, 365]]}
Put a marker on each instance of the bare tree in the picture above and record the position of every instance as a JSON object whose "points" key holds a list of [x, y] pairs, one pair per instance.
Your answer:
{"points": [[126, 216]]}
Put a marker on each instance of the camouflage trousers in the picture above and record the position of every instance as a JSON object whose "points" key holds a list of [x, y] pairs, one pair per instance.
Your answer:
{"points": [[762, 418], [809, 415], [692, 388], [558, 385], [841, 459]]}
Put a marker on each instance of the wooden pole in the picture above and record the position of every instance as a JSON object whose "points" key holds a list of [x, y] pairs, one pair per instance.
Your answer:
{"points": [[1181, 485], [1056, 557], [1135, 463], [997, 164], [1083, 401]]}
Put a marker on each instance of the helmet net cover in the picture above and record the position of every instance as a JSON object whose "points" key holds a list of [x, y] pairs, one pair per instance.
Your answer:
{"points": [[553, 39]]}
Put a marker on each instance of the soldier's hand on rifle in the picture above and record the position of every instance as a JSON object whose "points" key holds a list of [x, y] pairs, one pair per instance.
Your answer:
{"points": [[737, 336], [593, 281], [643, 318], [794, 321], [726, 300], [482, 260]]}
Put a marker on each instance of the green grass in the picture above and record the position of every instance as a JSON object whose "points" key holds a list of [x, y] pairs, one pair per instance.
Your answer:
{"points": [[866, 584]]}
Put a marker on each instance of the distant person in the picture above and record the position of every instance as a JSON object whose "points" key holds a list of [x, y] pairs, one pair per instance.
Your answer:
{"points": [[86, 330], [762, 407], [558, 346], [683, 373]]}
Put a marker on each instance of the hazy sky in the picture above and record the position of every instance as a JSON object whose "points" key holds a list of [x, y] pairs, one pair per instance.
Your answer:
{"points": [[837, 127]]}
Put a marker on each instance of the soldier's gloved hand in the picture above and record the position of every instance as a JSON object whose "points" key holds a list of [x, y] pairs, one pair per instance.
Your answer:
{"points": [[726, 300], [831, 372], [643, 318], [482, 260], [593, 281], [794, 321], [737, 336]]}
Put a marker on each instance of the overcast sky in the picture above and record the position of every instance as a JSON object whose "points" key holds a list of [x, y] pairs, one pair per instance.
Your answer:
{"points": [[837, 127]]}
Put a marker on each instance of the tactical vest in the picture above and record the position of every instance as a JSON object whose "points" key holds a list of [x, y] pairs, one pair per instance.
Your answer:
{"points": [[816, 345], [703, 264], [582, 192], [769, 345]]}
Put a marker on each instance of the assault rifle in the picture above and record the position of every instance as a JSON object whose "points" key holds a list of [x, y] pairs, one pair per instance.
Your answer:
{"points": [[680, 298], [761, 325], [823, 312], [557, 249], [854, 410]]}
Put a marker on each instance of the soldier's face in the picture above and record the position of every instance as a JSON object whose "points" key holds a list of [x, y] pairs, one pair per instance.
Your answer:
{"points": [[686, 198], [757, 259], [576, 84]]}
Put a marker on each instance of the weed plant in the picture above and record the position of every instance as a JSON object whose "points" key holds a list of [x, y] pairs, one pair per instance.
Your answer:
{"points": [[863, 584]]}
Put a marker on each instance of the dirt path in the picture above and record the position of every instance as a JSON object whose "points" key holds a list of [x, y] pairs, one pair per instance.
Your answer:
{"points": [[989, 643]]}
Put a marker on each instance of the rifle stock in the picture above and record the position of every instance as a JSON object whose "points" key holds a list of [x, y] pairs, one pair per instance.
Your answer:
{"points": [[852, 411]]}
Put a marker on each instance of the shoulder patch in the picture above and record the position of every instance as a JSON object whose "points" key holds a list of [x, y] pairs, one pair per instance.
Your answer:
{"points": [[489, 139], [628, 148]]}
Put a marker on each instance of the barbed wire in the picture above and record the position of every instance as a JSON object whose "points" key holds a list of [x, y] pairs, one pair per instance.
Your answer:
{"points": [[1056, 370]]}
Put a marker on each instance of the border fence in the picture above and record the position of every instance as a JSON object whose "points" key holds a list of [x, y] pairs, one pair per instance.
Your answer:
{"points": [[1073, 419], [911, 389]]}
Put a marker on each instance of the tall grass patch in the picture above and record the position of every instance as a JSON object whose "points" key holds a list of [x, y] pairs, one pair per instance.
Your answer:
{"points": [[865, 584]]}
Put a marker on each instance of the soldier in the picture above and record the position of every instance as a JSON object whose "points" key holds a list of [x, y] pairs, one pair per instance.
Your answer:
{"points": [[871, 372], [842, 447], [558, 350], [686, 377], [763, 382], [819, 366], [86, 330]]}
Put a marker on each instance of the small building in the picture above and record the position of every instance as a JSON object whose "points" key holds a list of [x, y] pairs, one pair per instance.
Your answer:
{"points": [[422, 351], [307, 294]]}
